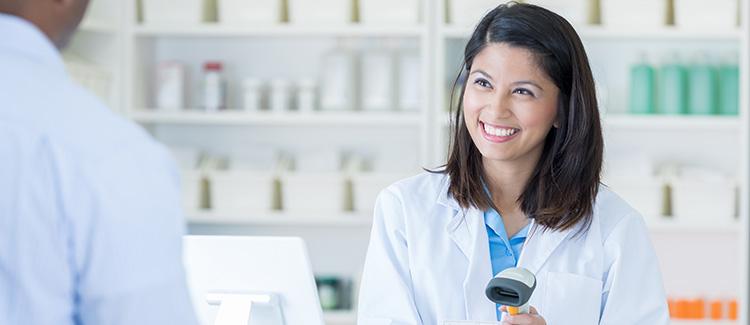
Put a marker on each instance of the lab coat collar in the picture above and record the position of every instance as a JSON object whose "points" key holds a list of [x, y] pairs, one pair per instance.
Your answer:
{"points": [[540, 244], [25, 40]]}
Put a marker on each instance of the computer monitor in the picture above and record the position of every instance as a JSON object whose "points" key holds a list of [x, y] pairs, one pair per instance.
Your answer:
{"points": [[236, 264]]}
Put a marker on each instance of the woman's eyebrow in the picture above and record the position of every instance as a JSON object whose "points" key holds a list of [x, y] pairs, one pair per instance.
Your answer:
{"points": [[527, 82], [485, 74]]}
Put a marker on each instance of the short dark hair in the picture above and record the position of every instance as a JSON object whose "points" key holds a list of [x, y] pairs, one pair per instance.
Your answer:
{"points": [[563, 187]]}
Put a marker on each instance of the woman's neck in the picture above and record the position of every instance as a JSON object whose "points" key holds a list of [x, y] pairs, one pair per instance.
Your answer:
{"points": [[506, 181]]}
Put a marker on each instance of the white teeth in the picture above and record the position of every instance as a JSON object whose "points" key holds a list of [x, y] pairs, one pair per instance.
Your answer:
{"points": [[499, 132]]}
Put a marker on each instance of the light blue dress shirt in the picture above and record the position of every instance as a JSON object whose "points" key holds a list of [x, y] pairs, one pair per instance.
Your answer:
{"points": [[504, 251], [90, 219]]}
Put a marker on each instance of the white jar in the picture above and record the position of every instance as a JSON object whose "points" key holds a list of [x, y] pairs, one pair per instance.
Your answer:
{"points": [[214, 88], [243, 12], [385, 12], [252, 94], [409, 81], [306, 95], [170, 86], [337, 81], [701, 14], [634, 14], [378, 81], [280, 95]]}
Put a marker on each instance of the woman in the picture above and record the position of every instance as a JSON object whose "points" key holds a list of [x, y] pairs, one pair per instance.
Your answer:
{"points": [[521, 188]]}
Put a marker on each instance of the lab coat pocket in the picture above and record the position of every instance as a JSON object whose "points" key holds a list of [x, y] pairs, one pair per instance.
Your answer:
{"points": [[572, 299]]}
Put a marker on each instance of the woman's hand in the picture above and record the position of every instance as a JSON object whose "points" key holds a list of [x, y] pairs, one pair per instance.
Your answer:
{"points": [[532, 318]]}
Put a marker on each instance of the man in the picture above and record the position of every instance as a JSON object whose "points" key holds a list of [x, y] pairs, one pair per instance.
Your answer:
{"points": [[90, 224]]}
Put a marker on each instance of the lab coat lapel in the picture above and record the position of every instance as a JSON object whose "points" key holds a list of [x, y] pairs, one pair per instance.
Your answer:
{"points": [[539, 246], [478, 306]]}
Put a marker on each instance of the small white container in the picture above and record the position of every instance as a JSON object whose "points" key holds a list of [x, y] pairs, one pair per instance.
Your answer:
{"points": [[241, 192], [313, 194], [576, 12], [367, 186], [174, 12], [469, 12], [704, 201], [389, 12], [634, 14], [706, 15], [378, 81], [306, 97], [192, 190], [318, 161], [170, 86], [645, 194], [280, 98], [252, 94], [214, 87], [337, 81], [321, 12], [409, 81], [248, 12]]}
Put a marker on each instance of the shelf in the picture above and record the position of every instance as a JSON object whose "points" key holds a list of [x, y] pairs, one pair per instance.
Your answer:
{"points": [[277, 119], [97, 26], [281, 219], [340, 317], [209, 29], [600, 32], [672, 225], [664, 122]]}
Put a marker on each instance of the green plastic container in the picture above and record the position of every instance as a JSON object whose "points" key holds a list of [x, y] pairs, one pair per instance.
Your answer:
{"points": [[703, 92], [729, 89], [673, 89], [642, 89]]}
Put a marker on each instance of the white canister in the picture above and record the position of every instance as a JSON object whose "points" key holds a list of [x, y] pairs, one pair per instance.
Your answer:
{"points": [[701, 14], [173, 12], [337, 81], [634, 14], [378, 81], [239, 12], [214, 87], [252, 94], [469, 12], [321, 12], [409, 81], [387, 12], [306, 95], [280, 95], [171, 78], [577, 12]]}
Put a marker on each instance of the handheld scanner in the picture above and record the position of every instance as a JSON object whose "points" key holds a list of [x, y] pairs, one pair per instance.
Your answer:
{"points": [[512, 288]]}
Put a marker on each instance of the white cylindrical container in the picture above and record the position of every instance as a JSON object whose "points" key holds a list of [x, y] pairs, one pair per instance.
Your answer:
{"points": [[378, 81], [170, 86], [706, 15], [469, 12], [214, 87], [409, 81], [241, 193], [306, 97], [577, 12], [243, 12], [701, 201], [337, 81], [313, 194], [645, 194], [252, 94], [173, 12], [280, 95], [634, 14], [192, 190], [387, 12], [321, 12]]}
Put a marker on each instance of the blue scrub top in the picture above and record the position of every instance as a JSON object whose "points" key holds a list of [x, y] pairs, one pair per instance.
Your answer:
{"points": [[504, 252]]}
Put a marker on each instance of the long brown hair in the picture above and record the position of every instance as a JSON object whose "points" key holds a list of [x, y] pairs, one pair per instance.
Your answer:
{"points": [[562, 189]]}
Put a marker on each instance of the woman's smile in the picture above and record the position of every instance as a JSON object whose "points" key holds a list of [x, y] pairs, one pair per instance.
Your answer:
{"points": [[498, 133]]}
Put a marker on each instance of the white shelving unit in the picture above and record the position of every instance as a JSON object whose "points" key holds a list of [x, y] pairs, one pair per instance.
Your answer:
{"points": [[132, 50]]}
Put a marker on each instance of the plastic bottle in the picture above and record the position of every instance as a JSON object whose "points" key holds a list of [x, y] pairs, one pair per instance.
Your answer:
{"points": [[673, 88], [642, 90], [729, 87], [214, 89], [252, 94], [703, 91], [306, 95]]}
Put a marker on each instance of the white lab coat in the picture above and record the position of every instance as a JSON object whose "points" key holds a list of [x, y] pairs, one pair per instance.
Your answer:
{"points": [[428, 261]]}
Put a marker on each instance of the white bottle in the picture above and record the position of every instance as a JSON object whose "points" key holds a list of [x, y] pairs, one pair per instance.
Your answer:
{"points": [[378, 81], [214, 89], [252, 94], [170, 86], [280, 95], [337, 81], [409, 81], [306, 95]]}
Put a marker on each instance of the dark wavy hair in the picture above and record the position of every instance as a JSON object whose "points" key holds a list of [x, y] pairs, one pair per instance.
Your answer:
{"points": [[563, 187]]}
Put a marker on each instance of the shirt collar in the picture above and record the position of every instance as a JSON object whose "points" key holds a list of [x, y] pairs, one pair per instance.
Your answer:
{"points": [[26, 40]]}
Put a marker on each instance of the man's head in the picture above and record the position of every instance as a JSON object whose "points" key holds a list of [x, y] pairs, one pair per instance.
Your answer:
{"points": [[58, 19]]}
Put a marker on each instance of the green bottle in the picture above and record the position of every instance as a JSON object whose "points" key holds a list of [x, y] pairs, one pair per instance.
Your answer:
{"points": [[703, 91], [642, 90], [673, 88], [729, 89]]}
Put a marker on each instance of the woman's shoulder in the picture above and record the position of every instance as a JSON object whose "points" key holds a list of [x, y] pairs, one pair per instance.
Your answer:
{"points": [[611, 212]]}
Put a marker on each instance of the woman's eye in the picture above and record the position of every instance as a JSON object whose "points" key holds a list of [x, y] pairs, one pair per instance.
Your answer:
{"points": [[483, 83], [523, 91]]}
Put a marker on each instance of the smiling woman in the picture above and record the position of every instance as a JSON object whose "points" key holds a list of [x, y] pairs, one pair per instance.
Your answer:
{"points": [[520, 189]]}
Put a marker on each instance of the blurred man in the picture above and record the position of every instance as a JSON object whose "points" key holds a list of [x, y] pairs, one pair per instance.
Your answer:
{"points": [[90, 220]]}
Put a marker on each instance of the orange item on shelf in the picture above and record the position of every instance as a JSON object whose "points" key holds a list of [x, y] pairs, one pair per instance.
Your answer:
{"points": [[697, 309], [733, 309], [681, 309], [716, 310]]}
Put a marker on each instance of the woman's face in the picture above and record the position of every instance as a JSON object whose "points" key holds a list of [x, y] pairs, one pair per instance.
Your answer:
{"points": [[509, 104]]}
